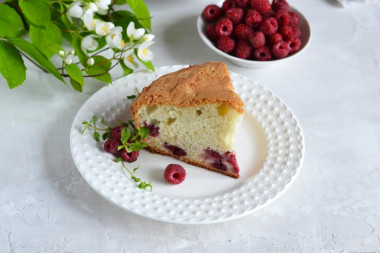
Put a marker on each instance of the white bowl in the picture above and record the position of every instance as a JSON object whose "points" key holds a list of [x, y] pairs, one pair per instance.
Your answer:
{"points": [[305, 38]]}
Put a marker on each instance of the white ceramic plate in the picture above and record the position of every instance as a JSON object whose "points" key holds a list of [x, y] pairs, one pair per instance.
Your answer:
{"points": [[305, 39], [269, 150]]}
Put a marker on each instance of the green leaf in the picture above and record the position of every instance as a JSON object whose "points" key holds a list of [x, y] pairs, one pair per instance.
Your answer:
{"points": [[121, 2], [141, 12], [36, 11], [135, 169], [76, 74], [136, 146], [144, 132], [123, 18], [10, 22], [29, 49], [45, 38], [94, 119], [105, 136], [96, 136], [11, 65], [118, 160], [126, 70], [76, 43], [100, 69], [125, 134], [77, 86], [131, 97]]}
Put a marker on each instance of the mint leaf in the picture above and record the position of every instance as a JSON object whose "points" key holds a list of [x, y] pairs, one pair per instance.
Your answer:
{"points": [[76, 74], [36, 11], [141, 11], [96, 136], [131, 97], [11, 65], [125, 134], [144, 132], [44, 38], [118, 160], [105, 136], [31, 50], [101, 65], [10, 22]]}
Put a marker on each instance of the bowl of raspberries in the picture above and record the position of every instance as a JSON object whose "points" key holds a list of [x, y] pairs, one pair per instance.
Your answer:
{"points": [[254, 33]]}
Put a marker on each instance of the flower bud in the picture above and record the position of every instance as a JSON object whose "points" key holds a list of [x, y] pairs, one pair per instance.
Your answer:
{"points": [[68, 61], [71, 52], [61, 53], [90, 61]]}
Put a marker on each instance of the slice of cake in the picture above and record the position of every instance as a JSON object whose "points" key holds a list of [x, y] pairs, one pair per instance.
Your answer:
{"points": [[192, 115]]}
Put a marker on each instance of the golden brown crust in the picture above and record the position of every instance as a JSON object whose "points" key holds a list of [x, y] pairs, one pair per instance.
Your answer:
{"points": [[196, 85], [193, 162]]}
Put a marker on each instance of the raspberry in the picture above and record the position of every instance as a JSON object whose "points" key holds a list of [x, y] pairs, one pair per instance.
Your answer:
{"points": [[235, 15], [257, 39], [154, 130], [280, 5], [175, 149], [174, 174], [274, 38], [280, 49], [294, 17], [242, 32], [228, 4], [262, 54], [242, 3], [269, 26], [294, 45], [231, 159], [116, 132], [211, 12], [261, 5], [129, 157], [224, 27], [296, 32], [286, 31], [226, 44], [283, 18], [253, 18], [243, 50], [210, 31], [111, 145]]}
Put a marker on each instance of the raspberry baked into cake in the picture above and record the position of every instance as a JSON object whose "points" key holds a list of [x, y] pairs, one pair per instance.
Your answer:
{"points": [[193, 115]]}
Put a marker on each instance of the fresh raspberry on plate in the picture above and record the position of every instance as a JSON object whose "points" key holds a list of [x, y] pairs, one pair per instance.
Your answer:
{"points": [[286, 31], [235, 14], [262, 54], [243, 50], [261, 5], [226, 44], [257, 39], [211, 13], [110, 145], [242, 3], [280, 49], [269, 26], [224, 27], [210, 32], [174, 174], [129, 157], [274, 38], [280, 5], [228, 4], [283, 18], [116, 132], [242, 32], [294, 17], [294, 45], [253, 18]]}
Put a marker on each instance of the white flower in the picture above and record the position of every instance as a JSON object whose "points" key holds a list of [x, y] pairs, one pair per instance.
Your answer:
{"points": [[102, 6], [134, 34], [148, 37], [93, 7], [129, 59], [68, 61], [103, 28], [89, 43], [89, 21], [61, 53], [115, 39], [90, 61], [75, 11], [144, 53]]}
